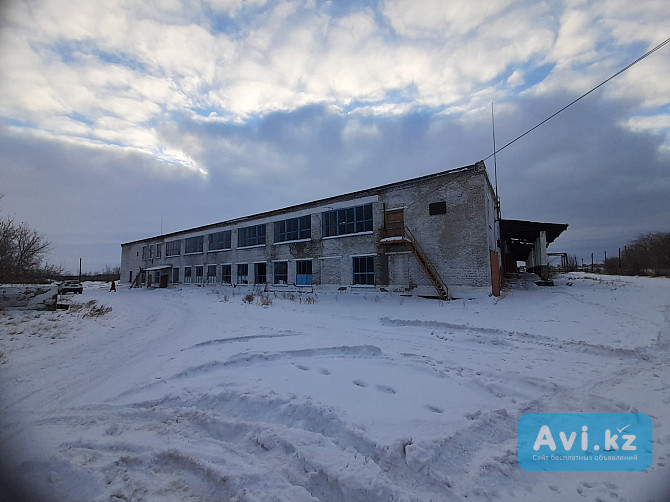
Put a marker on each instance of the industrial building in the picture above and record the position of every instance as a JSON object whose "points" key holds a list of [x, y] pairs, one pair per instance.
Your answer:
{"points": [[428, 236]]}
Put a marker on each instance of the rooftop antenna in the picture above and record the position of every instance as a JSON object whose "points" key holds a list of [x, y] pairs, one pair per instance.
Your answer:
{"points": [[495, 165]]}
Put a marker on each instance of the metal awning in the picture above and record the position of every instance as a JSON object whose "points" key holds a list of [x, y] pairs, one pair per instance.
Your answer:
{"points": [[159, 267], [520, 236]]}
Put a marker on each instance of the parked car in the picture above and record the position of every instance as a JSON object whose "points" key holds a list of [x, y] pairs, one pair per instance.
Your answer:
{"points": [[70, 287]]}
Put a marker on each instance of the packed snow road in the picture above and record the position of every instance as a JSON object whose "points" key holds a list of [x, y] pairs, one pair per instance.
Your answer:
{"points": [[192, 394]]}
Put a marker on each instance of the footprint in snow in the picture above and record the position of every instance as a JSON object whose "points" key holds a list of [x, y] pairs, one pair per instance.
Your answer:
{"points": [[302, 367], [324, 371], [434, 409], [385, 388], [360, 383]]}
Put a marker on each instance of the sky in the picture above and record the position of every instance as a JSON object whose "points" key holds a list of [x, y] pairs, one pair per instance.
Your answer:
{"points": [[123, 119]]}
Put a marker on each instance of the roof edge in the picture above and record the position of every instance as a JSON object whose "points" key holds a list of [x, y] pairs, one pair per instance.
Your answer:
{"points": [[478, 167]]}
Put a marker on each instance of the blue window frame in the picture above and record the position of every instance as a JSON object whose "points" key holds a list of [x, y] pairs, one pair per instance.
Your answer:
{"points": [[364, 270], [243, 273], [251, 236], [280, 272], [173, 248], [303, 272], [226, 274], [194, 244], [293, 229], [219, 240], [350, 220]]}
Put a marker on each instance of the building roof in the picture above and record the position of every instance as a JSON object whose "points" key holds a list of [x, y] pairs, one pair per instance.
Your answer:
{"points": [[478, 167]]}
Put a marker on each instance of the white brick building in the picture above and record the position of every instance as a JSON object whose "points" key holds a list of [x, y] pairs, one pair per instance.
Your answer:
{"points": [[423, 235]]}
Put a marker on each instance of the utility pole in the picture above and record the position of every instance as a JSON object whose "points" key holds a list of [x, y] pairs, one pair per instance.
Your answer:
{"points": [[79, 269]]}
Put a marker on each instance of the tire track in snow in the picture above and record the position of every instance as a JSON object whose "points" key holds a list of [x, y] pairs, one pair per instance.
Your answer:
{"points": [[219, 341], [521, 337]]}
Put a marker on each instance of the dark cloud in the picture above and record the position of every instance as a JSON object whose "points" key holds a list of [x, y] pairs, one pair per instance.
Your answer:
{"points": [[584, 168], [581, 168]]}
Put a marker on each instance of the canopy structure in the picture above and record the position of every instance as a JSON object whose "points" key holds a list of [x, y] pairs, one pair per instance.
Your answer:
{"points": [[527, 241], [159, 267], [160, 276]]}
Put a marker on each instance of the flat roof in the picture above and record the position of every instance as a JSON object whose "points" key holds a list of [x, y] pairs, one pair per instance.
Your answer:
{"points": [[520, 235], [305, 205]]}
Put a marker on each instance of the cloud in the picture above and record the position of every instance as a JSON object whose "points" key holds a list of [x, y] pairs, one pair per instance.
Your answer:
{"points": [[235, 60], [207, 110]]}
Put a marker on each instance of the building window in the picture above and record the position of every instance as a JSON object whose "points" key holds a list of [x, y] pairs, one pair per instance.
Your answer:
{"points": [[280, 272], [437, 208], [198, 274], [145, 251], [173, 248], [151, 252], [349, 220], [243, 273], [159, 250], [175, 275], [211, 274], [293, 229], [194, 244], [226, 274], [364, 270], [260, 273], [187, 275], [130, 276], [219, 240], [251, 236], [303, 273]]}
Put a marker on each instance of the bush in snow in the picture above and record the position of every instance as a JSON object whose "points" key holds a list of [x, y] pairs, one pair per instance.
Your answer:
{"points": [[264, 300]]}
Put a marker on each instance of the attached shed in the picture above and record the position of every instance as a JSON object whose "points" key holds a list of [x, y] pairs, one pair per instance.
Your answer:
{"points": [[528, 241]]}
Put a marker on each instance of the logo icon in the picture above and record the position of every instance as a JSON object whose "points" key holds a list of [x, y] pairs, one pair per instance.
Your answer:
{"points": [[607, 441]]}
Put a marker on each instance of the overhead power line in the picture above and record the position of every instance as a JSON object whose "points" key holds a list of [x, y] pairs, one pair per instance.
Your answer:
{"points": [[666, 41]]}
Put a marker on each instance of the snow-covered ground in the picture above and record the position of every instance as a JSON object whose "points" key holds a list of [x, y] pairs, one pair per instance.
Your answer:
{"points": [[191, 394]]}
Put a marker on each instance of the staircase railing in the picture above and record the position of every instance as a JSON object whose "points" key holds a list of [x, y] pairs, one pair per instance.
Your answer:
{"points": [[426, 265]]}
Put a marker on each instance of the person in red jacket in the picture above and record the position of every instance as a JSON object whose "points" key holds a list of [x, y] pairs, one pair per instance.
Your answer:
{"points": [[113, 288]]}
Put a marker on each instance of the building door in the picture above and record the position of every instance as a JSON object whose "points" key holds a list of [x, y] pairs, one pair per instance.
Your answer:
{"points": [[395, 223], [164, 280], [495, 273], [399, 270]]}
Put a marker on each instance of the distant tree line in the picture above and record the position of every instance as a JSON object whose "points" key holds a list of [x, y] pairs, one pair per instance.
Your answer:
{"points": [[106, 275], [647, 255]]}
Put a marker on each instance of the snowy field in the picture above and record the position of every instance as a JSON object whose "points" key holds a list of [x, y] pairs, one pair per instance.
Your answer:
{"points": [[192, 394]]}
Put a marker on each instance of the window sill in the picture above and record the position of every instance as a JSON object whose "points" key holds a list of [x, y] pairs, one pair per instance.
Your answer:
{"points": [[369, 232], [251, 247], [217, 250], [194, 252], [291, 242]]}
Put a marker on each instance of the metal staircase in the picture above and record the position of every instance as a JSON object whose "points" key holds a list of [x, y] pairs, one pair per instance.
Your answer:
{"points": [[408, 238]]}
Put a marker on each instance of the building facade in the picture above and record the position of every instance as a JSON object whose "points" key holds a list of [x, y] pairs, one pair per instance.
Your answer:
{"points": [[423, 236]]}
